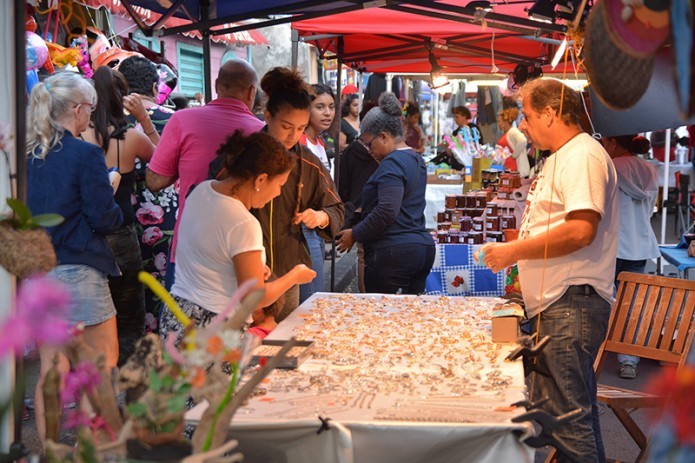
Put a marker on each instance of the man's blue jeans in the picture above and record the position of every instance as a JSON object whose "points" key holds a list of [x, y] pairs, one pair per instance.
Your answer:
{"points": [[577, 324]]}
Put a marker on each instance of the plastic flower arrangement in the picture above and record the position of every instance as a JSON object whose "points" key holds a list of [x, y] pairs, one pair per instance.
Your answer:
{"points": [[466, 145]]}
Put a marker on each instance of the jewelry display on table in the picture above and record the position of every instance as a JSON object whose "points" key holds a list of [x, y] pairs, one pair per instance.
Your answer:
{"points": [[403, 358]]}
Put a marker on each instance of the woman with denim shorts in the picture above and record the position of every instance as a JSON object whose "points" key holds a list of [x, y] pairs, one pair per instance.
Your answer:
{"points": [[68, 176]]}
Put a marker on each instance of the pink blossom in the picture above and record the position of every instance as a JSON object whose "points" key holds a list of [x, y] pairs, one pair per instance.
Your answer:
{"points": [[133, 200], [151, 235], [83, 378], [42, 305], [76, 419], [150, 214], [160, 262]]}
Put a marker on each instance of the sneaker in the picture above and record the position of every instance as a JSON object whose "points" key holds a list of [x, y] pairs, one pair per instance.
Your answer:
{"points": [[627, 371]]}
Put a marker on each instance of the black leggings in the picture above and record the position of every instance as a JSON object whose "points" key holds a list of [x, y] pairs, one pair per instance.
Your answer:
{"points": [[127, 292]]}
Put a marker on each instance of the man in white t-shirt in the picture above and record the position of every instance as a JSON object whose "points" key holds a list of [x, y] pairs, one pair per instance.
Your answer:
{"points": [[566, 255]]}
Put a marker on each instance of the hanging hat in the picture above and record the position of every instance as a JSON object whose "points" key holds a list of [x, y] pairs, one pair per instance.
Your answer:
{"points": [[349, 89], [636, 29], [618, 78]]}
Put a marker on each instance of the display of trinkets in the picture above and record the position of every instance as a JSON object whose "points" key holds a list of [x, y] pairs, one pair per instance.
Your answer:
{"points": [[380, 357]]}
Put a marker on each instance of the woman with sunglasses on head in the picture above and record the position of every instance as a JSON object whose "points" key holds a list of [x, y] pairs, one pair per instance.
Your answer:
{"points": [[399, 252], [309, 198], [122, 145], [68, 176], [321, 119]]}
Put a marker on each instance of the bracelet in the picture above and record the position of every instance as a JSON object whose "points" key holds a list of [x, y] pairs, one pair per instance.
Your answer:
{"points": [[151, 132]]}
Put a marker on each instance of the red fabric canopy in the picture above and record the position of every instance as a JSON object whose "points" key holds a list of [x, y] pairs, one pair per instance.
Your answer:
{"points": [[387, 40], [248, 37]]}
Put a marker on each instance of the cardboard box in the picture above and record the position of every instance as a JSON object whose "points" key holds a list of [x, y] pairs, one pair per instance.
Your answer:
{"points": [[505, 329], [437, 180]]}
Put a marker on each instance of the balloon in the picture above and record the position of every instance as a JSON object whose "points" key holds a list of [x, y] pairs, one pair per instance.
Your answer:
{"points": [[32, 79], [36, 51], [30, 24], [167, 82]]}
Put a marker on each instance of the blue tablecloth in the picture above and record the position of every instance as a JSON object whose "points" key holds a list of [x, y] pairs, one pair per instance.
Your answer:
{"points": [[455, 273], [678, 256]]}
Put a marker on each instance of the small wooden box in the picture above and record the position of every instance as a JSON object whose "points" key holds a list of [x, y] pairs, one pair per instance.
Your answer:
{"points": [[505, 329]]}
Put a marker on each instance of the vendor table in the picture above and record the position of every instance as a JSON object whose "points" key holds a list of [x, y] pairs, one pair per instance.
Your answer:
{"points": [[401, 378], [678, 256], [455, 273], [434, 201], [685, 169]]}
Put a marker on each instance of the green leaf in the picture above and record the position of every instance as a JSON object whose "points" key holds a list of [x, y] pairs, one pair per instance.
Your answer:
{"points": [[47, 220], [184, 389], [167, 382], [21, 209], [137, 409], [155, 381], [176, 403]]}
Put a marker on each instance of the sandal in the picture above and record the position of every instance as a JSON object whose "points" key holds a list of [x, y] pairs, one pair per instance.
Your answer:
{"points": [[627, 371]]}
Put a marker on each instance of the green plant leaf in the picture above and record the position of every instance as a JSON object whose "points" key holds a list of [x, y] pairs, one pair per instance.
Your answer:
{"points": [[155, 381], [21, 209], [176, 403], [47, 220], [137, 409], [167, 383]]}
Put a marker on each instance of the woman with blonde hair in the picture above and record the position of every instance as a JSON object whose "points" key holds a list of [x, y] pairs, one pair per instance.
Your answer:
{"points": [[515, 141], [68, 176]]}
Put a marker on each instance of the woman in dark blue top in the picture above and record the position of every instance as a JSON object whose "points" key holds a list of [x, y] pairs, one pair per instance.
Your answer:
{"points": [[399, 252], [68, 176]]}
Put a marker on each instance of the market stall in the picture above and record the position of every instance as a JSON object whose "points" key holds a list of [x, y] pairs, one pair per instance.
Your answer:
{"points": [[401, 378]]}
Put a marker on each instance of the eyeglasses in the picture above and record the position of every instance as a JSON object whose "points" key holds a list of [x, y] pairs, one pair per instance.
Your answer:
{"points": [[92, 106], [368, 145]]}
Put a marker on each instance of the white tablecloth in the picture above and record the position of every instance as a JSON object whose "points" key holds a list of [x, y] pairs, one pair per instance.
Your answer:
{"points": [[434, 201], [686, 169], [370, 425]]}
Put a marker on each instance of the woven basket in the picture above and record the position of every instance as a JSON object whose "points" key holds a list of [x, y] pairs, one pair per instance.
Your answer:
{"points": [[26, 252]]}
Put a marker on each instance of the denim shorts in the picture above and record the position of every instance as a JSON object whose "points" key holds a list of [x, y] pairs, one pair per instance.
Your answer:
{"points": [[89, 289]]}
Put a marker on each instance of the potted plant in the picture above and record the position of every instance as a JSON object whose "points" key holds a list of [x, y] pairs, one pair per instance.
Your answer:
{"points": [[27, 248]]}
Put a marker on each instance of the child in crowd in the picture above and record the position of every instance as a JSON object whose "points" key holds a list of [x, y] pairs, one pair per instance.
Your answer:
{"points": [[264, 318]]}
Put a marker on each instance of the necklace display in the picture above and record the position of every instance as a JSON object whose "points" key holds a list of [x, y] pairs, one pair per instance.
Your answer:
{"points": [[402, 358]]}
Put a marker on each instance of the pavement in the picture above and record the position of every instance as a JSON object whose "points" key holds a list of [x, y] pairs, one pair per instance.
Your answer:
{"points": [[619, 445]]}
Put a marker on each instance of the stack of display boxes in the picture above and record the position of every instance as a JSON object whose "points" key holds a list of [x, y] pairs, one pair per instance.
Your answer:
{"points": [[473, 218]]}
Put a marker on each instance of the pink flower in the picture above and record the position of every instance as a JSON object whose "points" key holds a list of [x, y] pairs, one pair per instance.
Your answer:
{"points": [[151, 235], [160, 262], [150, 214], [42, 305], [83, 378], [76, 419]]}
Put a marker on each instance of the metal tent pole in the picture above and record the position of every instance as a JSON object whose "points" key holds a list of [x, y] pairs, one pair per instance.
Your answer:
{"points": [[207, 72], [336, 145]]}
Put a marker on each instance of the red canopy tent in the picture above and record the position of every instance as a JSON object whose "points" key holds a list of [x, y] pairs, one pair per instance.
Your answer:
{"points": [[463, 39]]}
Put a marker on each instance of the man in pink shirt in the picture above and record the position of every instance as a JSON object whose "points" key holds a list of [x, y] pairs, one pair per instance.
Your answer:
{"points": [[191, 138]]}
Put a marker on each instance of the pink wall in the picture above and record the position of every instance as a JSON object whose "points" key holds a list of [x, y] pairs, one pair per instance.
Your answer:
{"points": [[123, 26]]}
